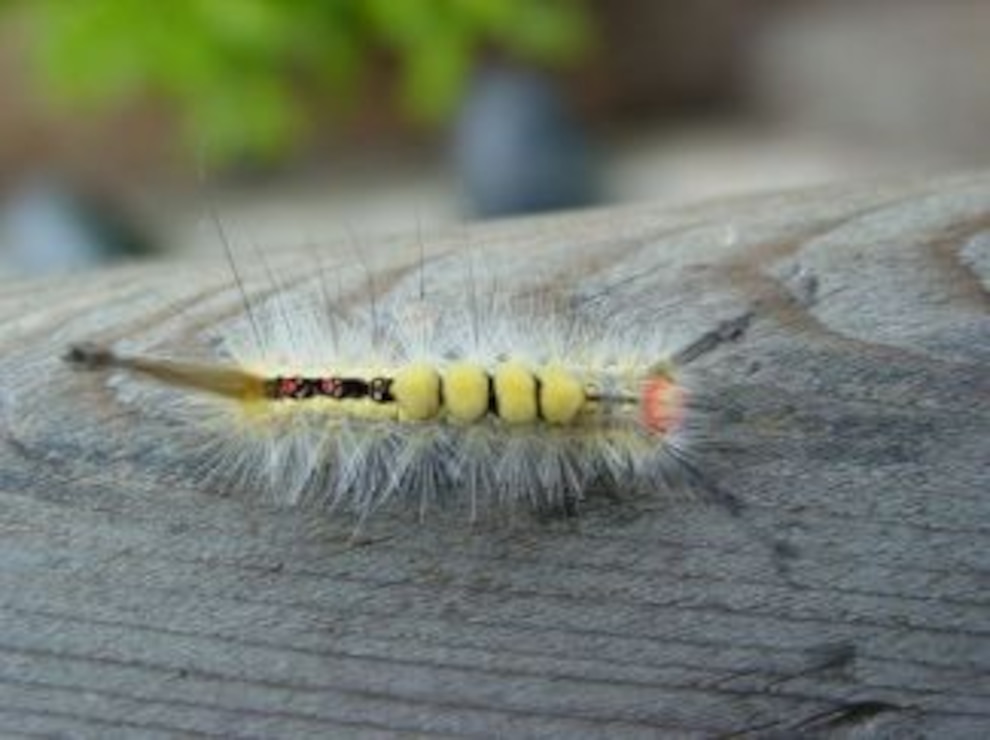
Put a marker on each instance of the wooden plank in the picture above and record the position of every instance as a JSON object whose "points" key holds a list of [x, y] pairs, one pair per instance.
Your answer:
{"points": [[847, 596]]}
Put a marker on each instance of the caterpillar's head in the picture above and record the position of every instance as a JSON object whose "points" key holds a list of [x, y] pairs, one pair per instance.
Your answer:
{"points": [[662, 403], [650, 398]]}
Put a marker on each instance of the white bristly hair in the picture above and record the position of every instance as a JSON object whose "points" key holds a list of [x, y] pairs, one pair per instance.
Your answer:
{"points": [[358, 465]]}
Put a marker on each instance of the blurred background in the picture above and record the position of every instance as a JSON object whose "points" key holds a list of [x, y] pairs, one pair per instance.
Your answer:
{"points": [[123, 124]]}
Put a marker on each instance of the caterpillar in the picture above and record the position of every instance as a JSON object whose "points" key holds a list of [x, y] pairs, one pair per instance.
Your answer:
{"points": [[474, 401]]}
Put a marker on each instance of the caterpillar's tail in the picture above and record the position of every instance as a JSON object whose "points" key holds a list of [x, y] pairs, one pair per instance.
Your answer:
{"points": [[219, 380]]}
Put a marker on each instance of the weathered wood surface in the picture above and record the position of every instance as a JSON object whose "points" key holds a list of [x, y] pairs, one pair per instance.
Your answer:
{"points": [[848, 598]]}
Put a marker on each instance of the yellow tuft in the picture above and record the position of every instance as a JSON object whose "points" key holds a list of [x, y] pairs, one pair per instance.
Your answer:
{"points": [[465, 391], [417, 392], [561, 395], [515, 393]]}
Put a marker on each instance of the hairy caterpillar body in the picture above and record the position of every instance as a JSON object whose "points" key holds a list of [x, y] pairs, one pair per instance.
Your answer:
{"points": [[423, 403], [459, 393]]}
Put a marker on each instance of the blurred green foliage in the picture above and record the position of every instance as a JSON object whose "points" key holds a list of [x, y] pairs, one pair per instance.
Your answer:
{"points": [[236, 69]]}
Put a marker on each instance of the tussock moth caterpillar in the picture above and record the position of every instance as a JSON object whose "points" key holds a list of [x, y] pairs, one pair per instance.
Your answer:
{"points": [[464, 396]]}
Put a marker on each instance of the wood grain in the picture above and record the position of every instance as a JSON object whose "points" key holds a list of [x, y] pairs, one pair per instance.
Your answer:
{"points": [[848, 597]]}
